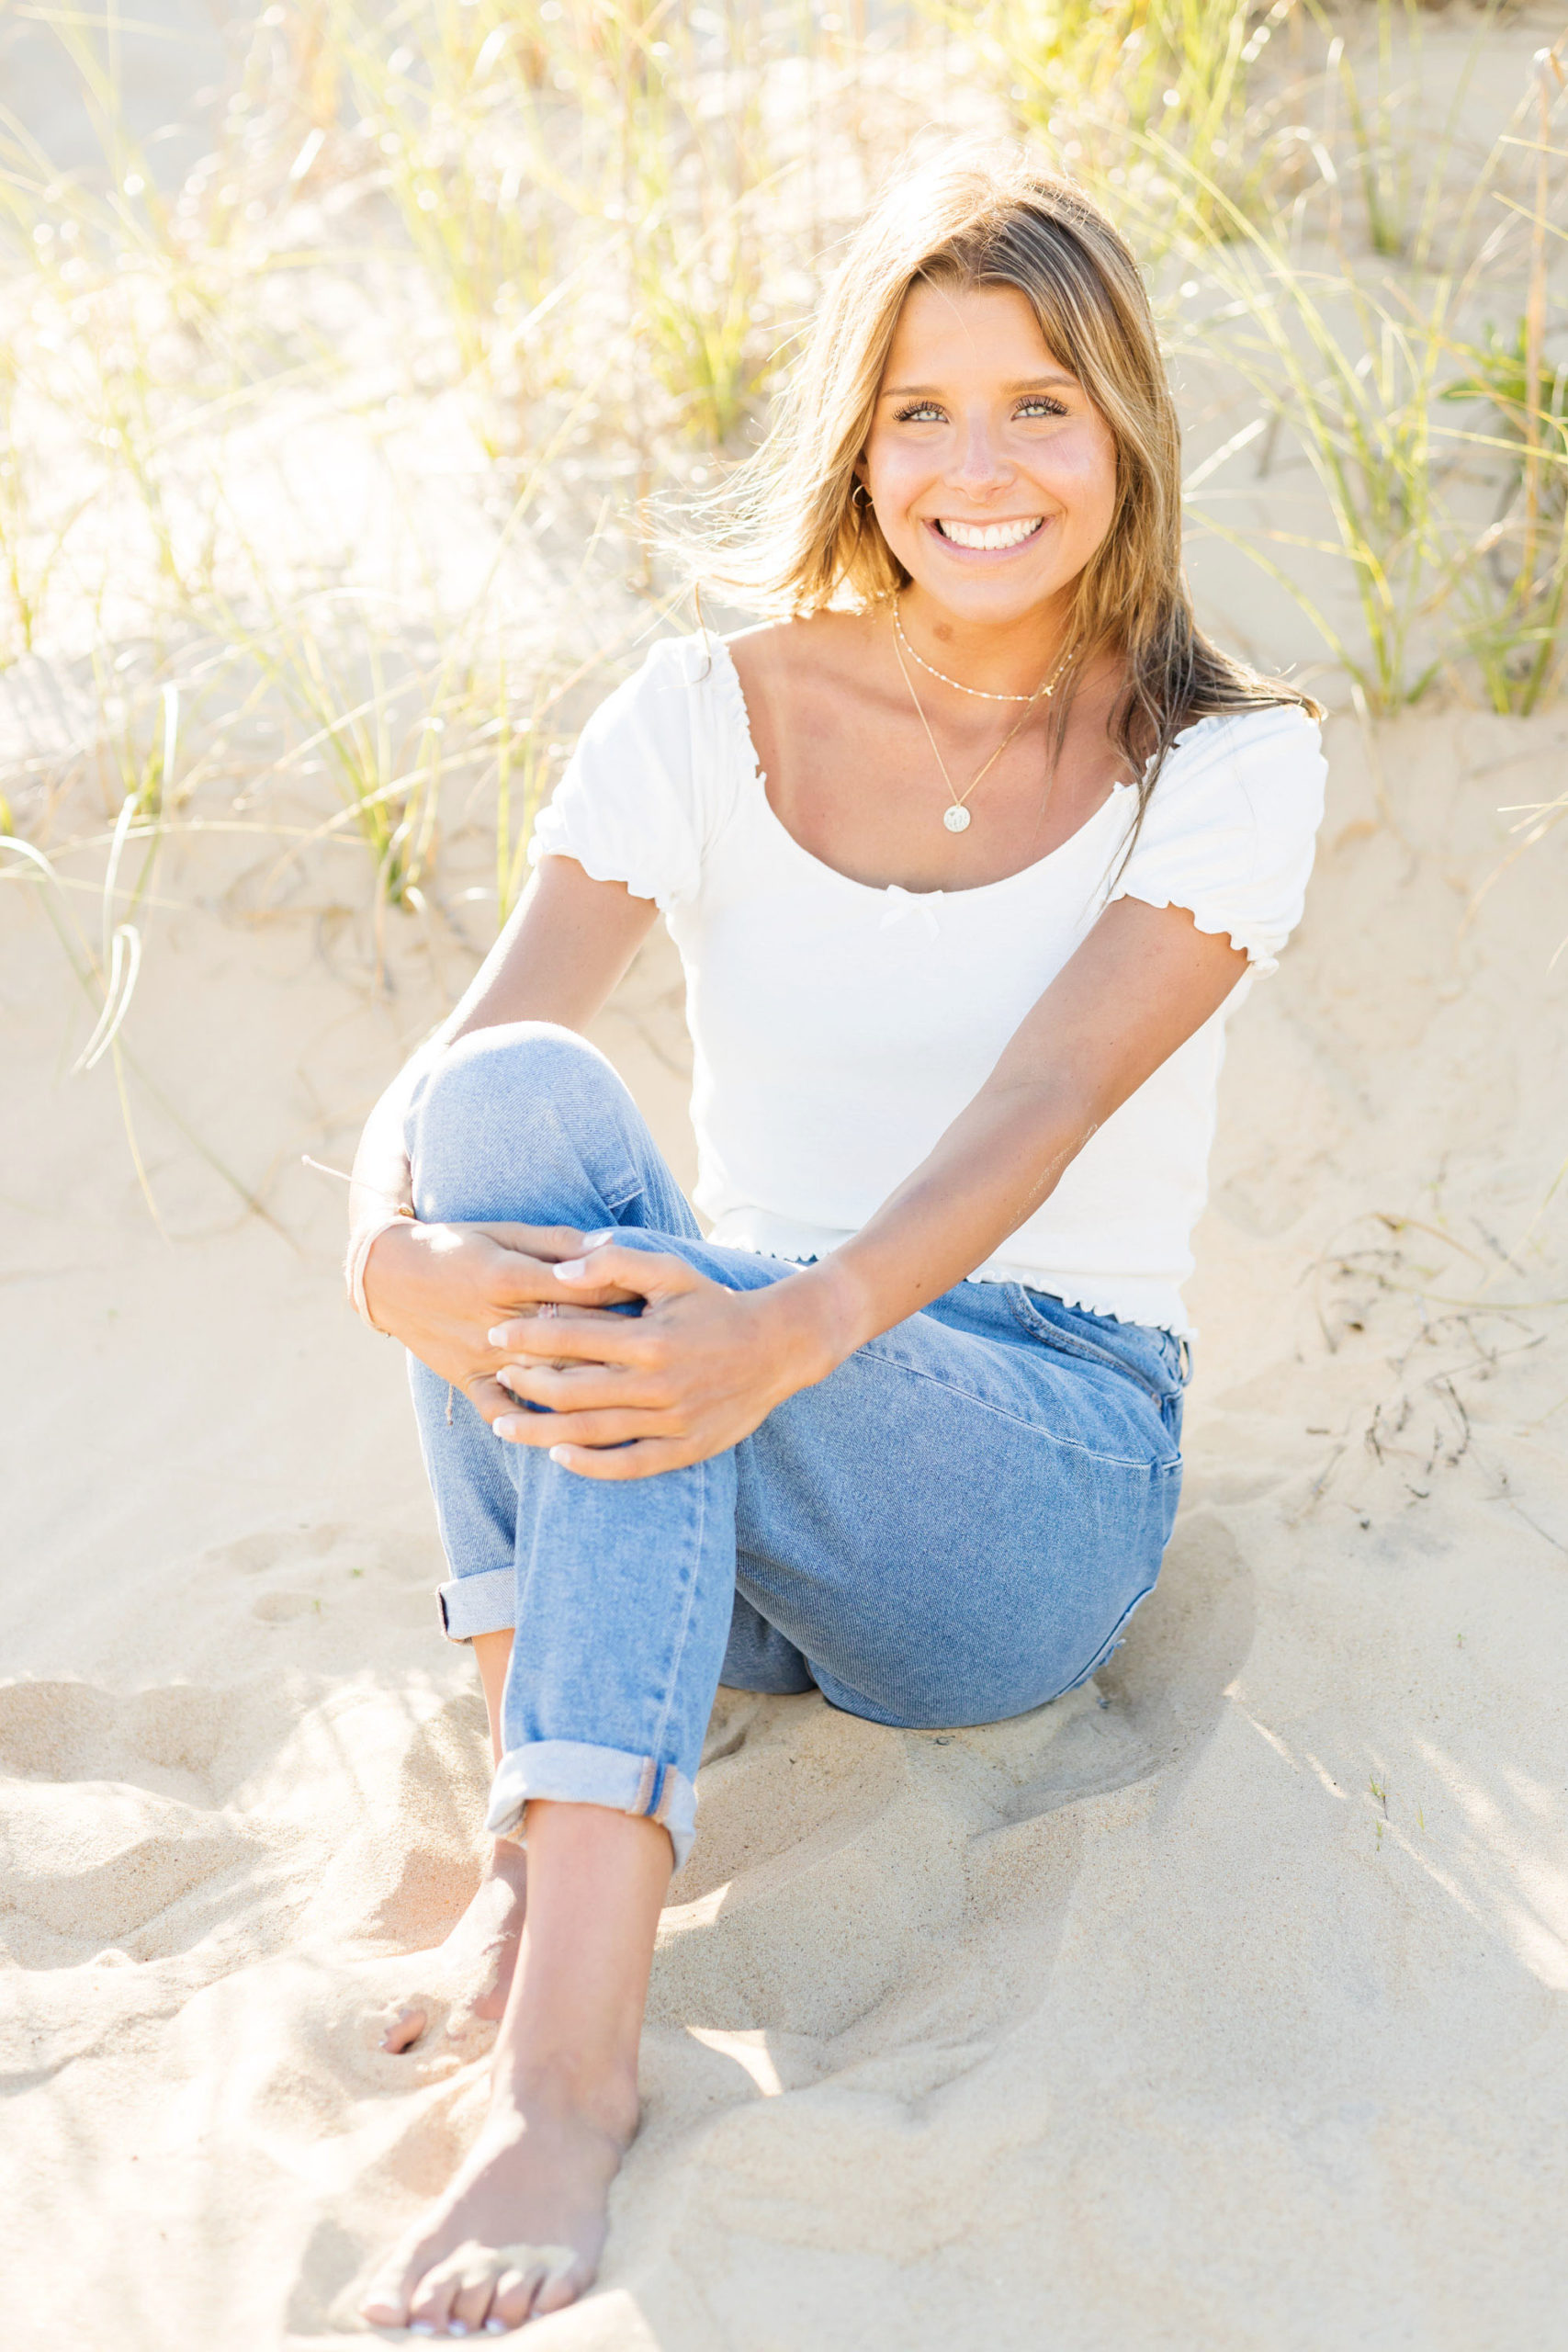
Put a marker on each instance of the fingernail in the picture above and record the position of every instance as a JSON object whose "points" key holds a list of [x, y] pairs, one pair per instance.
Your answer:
{"points": [[572, 1270], [557, 1454], [498, 1336], [508, 1425]]}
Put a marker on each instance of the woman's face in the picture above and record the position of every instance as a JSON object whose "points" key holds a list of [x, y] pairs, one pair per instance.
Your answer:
{"points": [[993, 476]]}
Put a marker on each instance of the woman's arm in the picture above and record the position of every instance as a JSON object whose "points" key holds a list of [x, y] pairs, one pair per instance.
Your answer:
{"points": [[1143, 982], [562, 951], [703, 1365]]}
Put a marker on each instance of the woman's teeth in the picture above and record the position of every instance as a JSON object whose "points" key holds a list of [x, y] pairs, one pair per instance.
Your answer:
{"points": [[991, 534]]}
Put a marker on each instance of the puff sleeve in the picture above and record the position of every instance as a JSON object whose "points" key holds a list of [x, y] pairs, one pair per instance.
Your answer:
{"points": [[1230, 828], [632, 804]]}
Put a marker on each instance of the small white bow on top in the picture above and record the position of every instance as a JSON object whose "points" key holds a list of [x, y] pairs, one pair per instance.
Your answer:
{"points": [[897, 903]]}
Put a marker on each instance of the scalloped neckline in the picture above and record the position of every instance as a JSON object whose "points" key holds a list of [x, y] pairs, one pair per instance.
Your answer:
{"points": [[741, 717]]}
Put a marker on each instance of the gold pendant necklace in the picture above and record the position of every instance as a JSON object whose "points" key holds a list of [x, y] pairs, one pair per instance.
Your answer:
{"points": [[956, 816]]}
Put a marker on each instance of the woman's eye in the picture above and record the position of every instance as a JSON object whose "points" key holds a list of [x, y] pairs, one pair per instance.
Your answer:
{"points": [[1040, 405], [919, 413]]}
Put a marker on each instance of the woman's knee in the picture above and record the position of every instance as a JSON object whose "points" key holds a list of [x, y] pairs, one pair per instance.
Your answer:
{"points": [[506, 1119]]}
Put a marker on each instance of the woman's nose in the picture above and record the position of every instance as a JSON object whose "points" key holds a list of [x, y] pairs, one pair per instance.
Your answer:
{"points": [[978, 463]]}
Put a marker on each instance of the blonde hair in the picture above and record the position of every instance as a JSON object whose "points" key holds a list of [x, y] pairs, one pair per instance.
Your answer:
{"points": [[789, 534]]}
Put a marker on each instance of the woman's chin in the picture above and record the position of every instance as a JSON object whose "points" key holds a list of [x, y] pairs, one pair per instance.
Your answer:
{"points": [[990, 597]]}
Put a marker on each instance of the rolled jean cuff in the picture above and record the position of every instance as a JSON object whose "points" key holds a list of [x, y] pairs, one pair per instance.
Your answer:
{"points": [[485, 1603], [570, 1772]]}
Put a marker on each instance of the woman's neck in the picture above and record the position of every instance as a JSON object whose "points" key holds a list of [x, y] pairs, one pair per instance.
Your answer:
{"points": [[989, 657]]}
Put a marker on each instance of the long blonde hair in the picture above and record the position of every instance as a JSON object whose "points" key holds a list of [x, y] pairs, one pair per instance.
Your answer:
{"points": [[789, 535]]}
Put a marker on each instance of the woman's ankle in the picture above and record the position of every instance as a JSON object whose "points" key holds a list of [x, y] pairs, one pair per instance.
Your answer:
{"points": [[530, 2091], [507, 1859]]}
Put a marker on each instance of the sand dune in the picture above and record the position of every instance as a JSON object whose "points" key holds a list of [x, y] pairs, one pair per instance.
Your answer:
{"points": [[1218, 2006]]}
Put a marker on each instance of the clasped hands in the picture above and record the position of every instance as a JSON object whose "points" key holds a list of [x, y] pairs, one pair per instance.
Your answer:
{"points": [[520, 1315]]}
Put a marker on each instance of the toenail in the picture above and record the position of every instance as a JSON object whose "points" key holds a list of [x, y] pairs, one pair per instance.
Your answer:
{"points": [[421, 2327]]}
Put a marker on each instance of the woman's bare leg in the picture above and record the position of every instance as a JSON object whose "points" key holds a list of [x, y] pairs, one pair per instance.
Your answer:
{"points": [[519, 2232], [479, 1956]]}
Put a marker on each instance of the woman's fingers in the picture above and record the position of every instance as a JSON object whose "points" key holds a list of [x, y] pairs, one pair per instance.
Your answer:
{"points": [[585, 1339], [550, 1242], [647, 1273], [641, 1459], [584, 1387], [617, 1425], [488, 1397]]}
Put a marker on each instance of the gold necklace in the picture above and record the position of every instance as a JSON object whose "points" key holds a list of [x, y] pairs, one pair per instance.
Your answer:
{"points": [[956, 816], [980, 692]]}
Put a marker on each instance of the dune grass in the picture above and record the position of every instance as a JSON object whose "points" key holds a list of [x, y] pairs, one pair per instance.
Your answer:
{"points": [[327, 464]]}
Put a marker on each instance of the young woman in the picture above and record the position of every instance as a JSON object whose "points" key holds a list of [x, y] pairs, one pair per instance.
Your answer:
{"points": [[966, 859]]}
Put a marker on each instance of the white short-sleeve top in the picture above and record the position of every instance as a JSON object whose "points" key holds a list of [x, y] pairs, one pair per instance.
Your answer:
{"points": [[838, 1028]]}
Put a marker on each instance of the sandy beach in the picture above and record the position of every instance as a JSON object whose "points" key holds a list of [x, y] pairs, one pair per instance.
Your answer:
{"points": [[1218, 2006]]}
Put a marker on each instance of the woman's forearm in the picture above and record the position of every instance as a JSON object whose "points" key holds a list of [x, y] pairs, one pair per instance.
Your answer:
{"points": [[988, 1173]]}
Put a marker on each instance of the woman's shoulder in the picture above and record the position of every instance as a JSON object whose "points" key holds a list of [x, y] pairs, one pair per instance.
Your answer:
{"points": [[1251, 732], [810, 647], [681, 705], [1268, 755], [1229, 827]]}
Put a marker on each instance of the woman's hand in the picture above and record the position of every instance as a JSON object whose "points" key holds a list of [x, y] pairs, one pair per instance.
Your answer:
{"points": [[441, 1289], [692, 1374]]}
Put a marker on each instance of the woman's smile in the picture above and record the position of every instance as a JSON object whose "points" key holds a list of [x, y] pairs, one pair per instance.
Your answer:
{"points": [[986, 538]]}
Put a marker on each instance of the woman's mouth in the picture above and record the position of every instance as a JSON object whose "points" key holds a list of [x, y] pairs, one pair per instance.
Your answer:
{"points": [[988, 537]]}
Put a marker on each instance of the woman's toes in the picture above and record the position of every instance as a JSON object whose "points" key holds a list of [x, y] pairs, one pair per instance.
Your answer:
{"points": [[430, 2305], [405, 2031], [387, 2302], [476, 2290], [560, 2287], [514, 2292]]}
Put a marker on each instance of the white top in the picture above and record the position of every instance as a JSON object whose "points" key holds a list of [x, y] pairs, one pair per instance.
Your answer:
{"points": [[839, 1029]]}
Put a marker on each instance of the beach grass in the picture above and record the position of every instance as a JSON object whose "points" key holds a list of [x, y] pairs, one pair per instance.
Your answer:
{"points": [[329, 463]]}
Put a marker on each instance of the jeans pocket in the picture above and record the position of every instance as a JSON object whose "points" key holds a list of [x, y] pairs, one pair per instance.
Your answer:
{"points": [[1079, 1345]]}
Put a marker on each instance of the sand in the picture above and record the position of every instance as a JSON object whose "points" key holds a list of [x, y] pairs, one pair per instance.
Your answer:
{"points": [[1218, 2006]]}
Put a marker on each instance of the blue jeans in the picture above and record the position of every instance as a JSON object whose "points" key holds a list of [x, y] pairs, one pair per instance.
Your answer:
{"points": [[954, 1527]]}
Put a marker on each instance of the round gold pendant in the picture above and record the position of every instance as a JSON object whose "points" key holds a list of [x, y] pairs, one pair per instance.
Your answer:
{"points": [[955, 819]]}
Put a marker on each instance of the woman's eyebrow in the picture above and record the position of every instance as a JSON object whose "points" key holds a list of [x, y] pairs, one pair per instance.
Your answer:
{"points": [[934, 392]]}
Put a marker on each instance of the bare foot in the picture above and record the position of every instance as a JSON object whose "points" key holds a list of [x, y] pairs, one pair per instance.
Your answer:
{"points": [[474, 1967], [520, 2231]]}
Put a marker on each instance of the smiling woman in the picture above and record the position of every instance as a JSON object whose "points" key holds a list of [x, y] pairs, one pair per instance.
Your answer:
{"points": [[967, 852]]}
